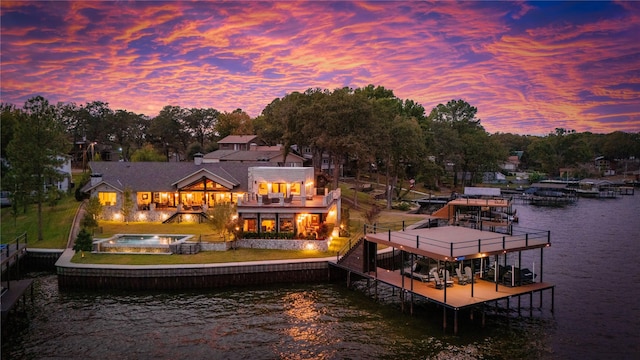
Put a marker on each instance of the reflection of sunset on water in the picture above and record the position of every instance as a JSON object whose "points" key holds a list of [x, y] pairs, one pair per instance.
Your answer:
{"points": [[527, 67], [308, 324]]}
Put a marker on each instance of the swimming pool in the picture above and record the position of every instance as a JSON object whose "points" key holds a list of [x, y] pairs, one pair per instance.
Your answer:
{"points": [[139, 243]]}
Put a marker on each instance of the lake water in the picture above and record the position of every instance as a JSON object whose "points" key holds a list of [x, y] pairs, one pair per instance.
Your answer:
{"points": [[593, 261]]}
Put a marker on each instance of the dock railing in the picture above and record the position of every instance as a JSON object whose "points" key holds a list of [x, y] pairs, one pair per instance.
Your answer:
{"points": [[15, 244], [351, 242], [521, 238]]}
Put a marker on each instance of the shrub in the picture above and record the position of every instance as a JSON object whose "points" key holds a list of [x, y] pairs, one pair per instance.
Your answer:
{"points": [[84, 242]]}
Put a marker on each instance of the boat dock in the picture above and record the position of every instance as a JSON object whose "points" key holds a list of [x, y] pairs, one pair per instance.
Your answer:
{"points": [[494, 261], [13, 290]]}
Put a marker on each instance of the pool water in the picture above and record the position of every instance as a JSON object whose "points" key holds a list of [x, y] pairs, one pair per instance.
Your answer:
{"points": [[146, 239], [139, 243]]}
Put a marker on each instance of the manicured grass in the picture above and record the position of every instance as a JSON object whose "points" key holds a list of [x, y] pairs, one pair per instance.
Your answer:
{"points": [[201, 231], [56, 224], [204, 257]]}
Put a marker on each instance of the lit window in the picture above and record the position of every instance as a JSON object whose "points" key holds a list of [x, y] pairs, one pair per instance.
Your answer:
{"points": [[107, 198]]}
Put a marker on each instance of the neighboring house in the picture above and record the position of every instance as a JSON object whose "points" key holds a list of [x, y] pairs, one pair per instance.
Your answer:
{"points": [[64, 184], [242, 148], [512, 164], [494, 178], [184, 191], [237, 142], [272, 154]]}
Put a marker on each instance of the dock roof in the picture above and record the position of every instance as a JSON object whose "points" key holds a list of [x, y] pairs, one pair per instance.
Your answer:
{"points": [[452, 243]]}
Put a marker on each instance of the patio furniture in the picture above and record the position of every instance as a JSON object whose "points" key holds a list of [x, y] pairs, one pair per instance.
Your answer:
{"points": [[447, 278], [462, 279], [418, 271], [468, 274], [438, 283]]}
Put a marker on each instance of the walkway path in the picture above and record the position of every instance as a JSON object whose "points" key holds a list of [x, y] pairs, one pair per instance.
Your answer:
{"points": [[77, 224]]}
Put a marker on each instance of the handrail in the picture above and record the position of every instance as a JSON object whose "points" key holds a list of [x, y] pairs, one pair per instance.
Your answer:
{"points": [[7, 247], [345, 249], [527, 237]]}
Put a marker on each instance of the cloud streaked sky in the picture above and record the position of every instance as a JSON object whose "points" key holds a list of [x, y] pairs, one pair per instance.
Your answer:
{"points": [[529, 67]]}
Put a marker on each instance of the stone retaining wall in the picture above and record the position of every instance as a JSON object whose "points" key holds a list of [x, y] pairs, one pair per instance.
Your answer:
{"points": [[275, 244]]}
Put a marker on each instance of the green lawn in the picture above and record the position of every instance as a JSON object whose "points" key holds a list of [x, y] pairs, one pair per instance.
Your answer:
{"points": [[56, 223], [204, 257]]}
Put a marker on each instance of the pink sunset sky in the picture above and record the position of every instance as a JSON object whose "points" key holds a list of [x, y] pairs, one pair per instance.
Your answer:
{"points": [[529, 67]]}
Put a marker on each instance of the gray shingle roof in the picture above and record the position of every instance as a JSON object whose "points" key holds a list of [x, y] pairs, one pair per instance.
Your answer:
{"points": [[158, 176]]}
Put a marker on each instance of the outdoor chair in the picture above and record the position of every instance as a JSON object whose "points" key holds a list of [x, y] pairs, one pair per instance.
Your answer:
{"points": [[468, 274], [288, 199], [447, 278], [438, 283], [462, 280]]}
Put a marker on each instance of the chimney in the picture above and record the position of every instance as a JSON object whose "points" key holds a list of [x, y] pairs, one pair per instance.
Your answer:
{"points": [[96, 178], [197, 159]]}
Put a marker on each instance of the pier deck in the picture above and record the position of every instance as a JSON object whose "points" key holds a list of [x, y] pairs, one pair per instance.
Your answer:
{"points": [[11, 294], [457, 296]]}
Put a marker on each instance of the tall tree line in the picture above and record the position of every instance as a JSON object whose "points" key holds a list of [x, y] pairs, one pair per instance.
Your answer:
{"points": [[360, 128]]}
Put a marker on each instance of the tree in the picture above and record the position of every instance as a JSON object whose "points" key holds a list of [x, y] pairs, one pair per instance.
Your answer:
{"points": [[37, 151], [147, 153], [236, 122], [93, 209], [123, 132], [457, 136], [83, 242], [372, 215], [167, 133], [344, 115], [221, 218], [127, 205], [200, 124]]}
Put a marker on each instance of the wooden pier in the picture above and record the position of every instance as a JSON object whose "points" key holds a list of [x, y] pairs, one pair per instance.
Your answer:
{"points": [[13, 290]]}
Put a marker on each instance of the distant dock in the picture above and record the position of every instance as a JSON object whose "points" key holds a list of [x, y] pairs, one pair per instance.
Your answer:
{"points": [[13, 290]]}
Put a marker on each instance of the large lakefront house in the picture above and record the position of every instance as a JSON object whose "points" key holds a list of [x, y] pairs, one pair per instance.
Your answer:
{"points": [[269, 199]]}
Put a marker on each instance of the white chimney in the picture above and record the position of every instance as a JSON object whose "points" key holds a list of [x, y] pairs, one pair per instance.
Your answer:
{"points": [[96, 178], [197, 159]]}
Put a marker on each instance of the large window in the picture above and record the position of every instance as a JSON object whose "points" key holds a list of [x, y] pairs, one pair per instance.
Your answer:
{"points": [[250, 225], [279, 188], [268, 225], [107, 198], [286, 225]]}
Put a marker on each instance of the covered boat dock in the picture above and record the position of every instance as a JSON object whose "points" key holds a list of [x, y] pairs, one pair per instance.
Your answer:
{"points": [[495, 260]]}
